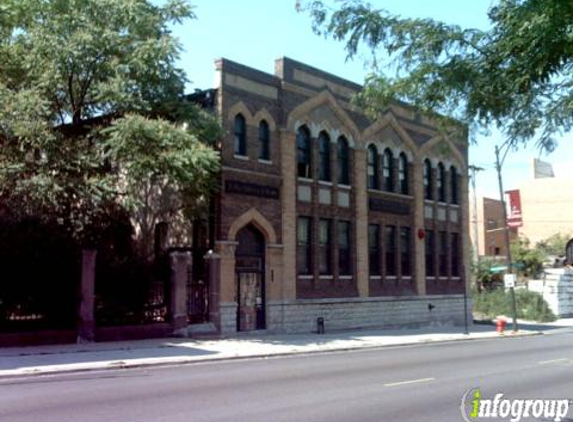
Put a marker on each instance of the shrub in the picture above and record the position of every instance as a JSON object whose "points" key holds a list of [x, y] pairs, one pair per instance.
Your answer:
{"points": [[530, 305]]}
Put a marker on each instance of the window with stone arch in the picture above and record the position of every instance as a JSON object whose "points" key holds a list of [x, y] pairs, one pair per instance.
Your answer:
{"points": [[372, 169], [324, 157], [264, 141], [454, 186], [388, 170], [303, 153], [441, 183], [343, 161], [403, 173], [240, 130], [428, 180]]}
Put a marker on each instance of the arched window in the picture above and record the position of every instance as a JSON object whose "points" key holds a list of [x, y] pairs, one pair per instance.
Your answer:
{"points": [[428, 180], [441, 183], [343, 162], [240, 135], [323, 156], [403, 173], [303, 153], [388, 170], [372, 167], [264, 141], [454, 194]]}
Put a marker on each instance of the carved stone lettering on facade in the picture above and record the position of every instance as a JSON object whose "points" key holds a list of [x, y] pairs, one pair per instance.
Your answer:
{"points": [[251, 189], [391, 207]]}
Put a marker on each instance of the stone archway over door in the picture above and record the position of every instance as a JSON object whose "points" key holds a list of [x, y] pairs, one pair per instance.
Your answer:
{"points": [[250, 279], [569, 252]]}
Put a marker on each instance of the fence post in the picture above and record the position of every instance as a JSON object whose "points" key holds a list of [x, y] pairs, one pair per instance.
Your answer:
{"points": [[214, 283], [180, 263], [86, 319]]}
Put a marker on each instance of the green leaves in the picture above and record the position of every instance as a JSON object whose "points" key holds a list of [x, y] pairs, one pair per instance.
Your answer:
{"points": [[516, 76], [93, 111]]}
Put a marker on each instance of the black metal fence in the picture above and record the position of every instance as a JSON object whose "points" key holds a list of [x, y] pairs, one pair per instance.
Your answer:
{"points": [[131, 292], [39, 276]]}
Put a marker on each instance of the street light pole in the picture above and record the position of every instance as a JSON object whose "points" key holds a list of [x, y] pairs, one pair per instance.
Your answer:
{"points": [[474, 170], [498, 164]]}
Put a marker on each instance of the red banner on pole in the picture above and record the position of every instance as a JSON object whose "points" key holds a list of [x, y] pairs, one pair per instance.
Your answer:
{"points": [[514, 216]]}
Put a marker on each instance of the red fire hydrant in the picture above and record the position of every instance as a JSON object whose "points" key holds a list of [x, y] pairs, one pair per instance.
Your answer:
{"points": [[501, 323]]}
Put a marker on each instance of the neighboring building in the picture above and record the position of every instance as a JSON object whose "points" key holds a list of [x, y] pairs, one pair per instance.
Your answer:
{"points": [[490, 228], [546, 204], [324, 213], [537, 209]]}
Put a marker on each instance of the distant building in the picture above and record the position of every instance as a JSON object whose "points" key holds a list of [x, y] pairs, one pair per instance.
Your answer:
{"points": [[490, 228], [537, 209]]}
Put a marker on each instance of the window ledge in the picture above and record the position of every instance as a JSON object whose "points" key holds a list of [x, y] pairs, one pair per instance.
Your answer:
{"points": [[305, 179], [343, 186], [345, 277], [324, 183], [326, 277], [262, 161], [241, 157], [375, 277], [306, 276]]}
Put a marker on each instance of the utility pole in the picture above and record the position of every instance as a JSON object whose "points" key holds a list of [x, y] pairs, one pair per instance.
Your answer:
{"points": [[474, 169], [472, 175], [498, 164]]}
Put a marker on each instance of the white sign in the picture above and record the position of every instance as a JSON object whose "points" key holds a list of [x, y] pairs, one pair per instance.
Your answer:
{"points": [[509, 280]]}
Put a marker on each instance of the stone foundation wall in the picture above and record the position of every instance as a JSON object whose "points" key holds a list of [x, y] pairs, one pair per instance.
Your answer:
{"points": [[228, 318], [300, 316], [557, 290]]}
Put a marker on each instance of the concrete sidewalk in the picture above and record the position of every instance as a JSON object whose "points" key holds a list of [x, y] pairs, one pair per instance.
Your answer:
{"points": [[36, 360]]}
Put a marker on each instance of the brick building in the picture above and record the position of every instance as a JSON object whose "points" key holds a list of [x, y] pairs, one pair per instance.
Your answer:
{"points": [[324, 213], [491, 228]]}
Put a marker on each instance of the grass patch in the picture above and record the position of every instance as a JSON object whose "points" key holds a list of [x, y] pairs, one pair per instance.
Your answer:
{"points": [[530, 305]]}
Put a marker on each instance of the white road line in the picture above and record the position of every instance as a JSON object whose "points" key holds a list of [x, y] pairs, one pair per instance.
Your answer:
{"points": [[395, 384], [546, 362]]}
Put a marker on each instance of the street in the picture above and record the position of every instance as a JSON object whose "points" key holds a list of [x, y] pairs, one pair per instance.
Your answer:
{"points": [[413, 383]]}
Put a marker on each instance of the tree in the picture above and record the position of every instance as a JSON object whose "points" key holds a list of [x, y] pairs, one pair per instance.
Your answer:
{"points": [[517, 75], [554, 244], [528, 262], [93, 115]]}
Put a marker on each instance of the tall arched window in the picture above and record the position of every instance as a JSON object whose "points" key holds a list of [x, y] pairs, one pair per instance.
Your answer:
{"points": [[240, 135], [403, 173], [323, 156], [303, 153], [428, 180], [388, 170], [441, 183], [454, 192], [264, 141], [372, 167], [343, 162]]}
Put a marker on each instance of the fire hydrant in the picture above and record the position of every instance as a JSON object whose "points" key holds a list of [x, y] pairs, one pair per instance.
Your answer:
{"points": [[501, 323]]}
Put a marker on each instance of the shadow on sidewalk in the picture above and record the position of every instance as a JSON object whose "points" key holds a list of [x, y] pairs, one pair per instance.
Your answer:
{"points": [[93, 353]]}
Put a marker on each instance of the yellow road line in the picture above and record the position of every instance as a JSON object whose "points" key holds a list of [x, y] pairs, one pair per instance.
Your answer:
{"points": [[395, 384]]}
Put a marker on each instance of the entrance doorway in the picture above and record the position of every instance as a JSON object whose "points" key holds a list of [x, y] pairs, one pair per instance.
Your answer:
{"points": [[569, 252], [250, 281]]}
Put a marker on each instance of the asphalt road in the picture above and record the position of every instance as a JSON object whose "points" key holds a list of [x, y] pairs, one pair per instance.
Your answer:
{"points": [[416, 383]]}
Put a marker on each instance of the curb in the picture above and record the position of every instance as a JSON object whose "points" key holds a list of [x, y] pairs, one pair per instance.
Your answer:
{"points": [[38, 372]]}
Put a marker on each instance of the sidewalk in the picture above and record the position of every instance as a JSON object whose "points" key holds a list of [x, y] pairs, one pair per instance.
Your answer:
{"points": [[36, 360]]}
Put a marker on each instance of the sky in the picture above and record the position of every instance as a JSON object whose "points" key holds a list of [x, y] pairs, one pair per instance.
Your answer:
{"points": [[256, 32]]}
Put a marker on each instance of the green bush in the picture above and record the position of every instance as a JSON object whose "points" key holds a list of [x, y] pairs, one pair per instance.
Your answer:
{"points": [[530, 305]]}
